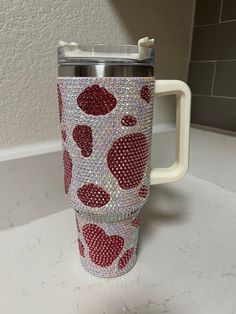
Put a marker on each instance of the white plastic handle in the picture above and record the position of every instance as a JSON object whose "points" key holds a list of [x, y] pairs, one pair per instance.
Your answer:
{"points": [[183, 99]]}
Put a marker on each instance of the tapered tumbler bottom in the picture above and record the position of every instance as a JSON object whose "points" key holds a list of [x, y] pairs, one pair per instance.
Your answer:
{"points": [[108, 249]]}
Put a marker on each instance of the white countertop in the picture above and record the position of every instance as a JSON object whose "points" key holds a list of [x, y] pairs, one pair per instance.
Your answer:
{"points": [[186, 263]]}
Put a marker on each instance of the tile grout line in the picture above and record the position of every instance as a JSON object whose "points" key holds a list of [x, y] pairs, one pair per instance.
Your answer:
{"points": [[191, 39], [213, 78], [214, 96], [228, 21], [204, 61], [221, 9], [209, 24], [216, 23]]}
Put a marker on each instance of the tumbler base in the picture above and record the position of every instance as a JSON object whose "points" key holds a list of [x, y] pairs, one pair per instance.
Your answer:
{"points": [[108, 249], [108, 273]]}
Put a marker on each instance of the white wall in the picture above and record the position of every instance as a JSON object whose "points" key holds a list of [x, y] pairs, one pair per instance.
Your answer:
{"points": [[31, 29]]}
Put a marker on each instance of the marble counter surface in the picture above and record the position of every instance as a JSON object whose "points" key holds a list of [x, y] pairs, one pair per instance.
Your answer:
{"points": [[186, 262]]}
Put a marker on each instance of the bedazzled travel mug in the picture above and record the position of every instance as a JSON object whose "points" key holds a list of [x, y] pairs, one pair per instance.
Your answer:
{"points": [[105, 98]]}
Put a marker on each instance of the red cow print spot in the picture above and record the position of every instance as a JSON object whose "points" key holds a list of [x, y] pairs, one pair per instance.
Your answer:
{"points": [[127, 159], [82, 135], [93, 195], [63, 135], [143, 192], [125, 258], [81, 248], [96, 101], [67, 170], [103, 249], [128, 121], [146, 93], [136, 222], [59, 101]]}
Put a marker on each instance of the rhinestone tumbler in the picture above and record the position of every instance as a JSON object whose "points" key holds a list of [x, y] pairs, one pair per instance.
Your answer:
{"points": [[105, 98]]}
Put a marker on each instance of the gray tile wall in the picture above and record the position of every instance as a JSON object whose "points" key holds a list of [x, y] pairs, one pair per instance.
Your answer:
{"points": [[212, 70]]}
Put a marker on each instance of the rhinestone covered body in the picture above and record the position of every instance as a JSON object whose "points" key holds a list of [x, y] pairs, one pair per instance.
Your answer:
{"points": [[106, 125]]}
